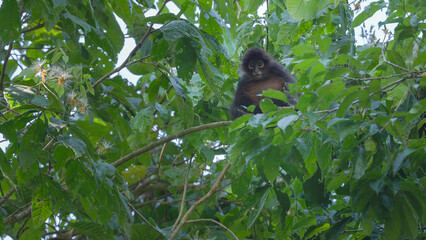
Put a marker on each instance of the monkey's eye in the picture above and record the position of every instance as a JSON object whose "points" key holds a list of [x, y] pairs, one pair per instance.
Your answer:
{"points": [[251, 66], [260, 63]]}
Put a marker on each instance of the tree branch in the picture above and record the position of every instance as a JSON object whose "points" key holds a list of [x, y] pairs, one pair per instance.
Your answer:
{"points": [[133, 52], [216, 222], [33, 28], [18, 217], [215, 187], [182, 204], [6, 59], [161, 202], [413, 73], [168, 139], [390, 63], [7, 196]]}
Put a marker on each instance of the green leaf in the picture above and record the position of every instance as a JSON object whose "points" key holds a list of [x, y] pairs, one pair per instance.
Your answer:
{"points": [[5, 166], [417, 110], [77, 145], [410, 219], [271, 163], [161, 19], [394, 223], [40, 101], [396, 58], [369, 11], [305, 223], [239, 122], [77, 20], [140, 68], [10, 21], [303, 49], [286, 121], [399, 159], [92, 230], [259, 207], [304, 9], [420, 59], [185, 58], [337, 228], [266, 105], [41, 208], [19, 93], [177, 86], [143, 120], [177, 29], [337, 180], [360, 163], [284, 201], [275, 94], [314, 190]]}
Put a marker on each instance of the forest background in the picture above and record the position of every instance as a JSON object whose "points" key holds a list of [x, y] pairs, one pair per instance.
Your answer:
{"points": [[93, 154]]}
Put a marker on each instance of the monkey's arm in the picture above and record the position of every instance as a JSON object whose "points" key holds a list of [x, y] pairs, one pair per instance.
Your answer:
{"points": [[241, 101]]}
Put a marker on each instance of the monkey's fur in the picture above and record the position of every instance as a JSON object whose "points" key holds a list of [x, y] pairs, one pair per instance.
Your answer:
{"points": [[259, 72]]}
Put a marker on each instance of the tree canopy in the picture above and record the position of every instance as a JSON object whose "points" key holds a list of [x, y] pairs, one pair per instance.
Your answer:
{"points": [[93, 154]]}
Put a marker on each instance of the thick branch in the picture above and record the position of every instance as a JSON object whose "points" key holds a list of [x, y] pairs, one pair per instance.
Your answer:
{"points": [[213, 190], [216, 222], [133, 52], [18, 217], [168, 139], [7, 196]]}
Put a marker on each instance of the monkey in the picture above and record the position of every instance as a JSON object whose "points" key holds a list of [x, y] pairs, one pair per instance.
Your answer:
{"points": [[259, 72]]}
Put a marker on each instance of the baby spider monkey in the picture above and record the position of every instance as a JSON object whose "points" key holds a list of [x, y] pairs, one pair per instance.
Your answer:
{"points": [[260, 72]]}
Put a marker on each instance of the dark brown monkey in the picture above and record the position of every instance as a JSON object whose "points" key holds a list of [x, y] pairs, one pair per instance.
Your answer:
{"points": [[260, 72]]}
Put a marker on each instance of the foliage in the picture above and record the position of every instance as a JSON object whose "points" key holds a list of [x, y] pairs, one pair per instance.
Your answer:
{"points": [[92, 155]]}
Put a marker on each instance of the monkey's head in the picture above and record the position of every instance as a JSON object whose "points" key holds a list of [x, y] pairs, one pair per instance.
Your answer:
{"points": [[255, 62]]}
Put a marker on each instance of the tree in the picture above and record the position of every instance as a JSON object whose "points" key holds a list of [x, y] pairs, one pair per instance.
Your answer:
{"points": [[93, 156]]}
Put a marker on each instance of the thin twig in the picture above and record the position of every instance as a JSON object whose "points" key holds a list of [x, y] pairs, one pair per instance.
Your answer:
{"points": [[145, 220], [384, 88], [49, 144], [161, 156], [33, 28], [6, 59], [216, 222], [413, 73], [327, 111], [390, 63], [138, 60], [168, 139], [182, 204], [161, 202], [133, 52], [212, 191]]}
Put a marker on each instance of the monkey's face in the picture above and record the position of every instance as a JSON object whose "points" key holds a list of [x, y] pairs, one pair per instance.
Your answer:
{"points": [[256, 69]]}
